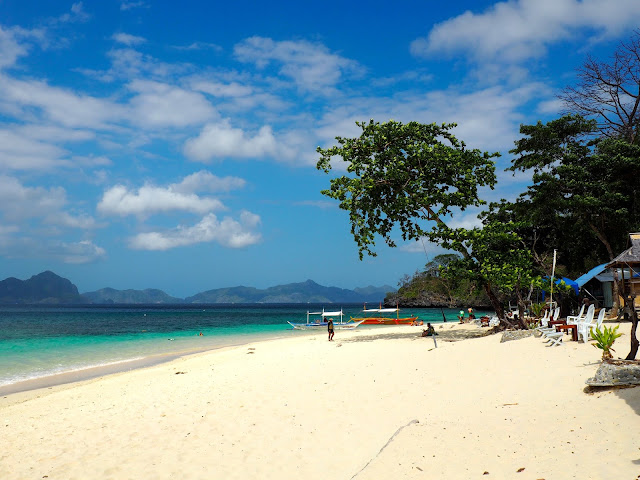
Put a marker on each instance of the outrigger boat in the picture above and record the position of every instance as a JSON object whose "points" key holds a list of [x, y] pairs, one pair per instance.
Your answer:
{"points": [[321, 322], [382, 320]]}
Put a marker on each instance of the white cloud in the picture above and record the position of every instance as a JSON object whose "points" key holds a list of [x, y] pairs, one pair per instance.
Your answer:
{"points": [[79, 252], [77, 15], [487, 118], [222, 140], [199, 46], [10, 49], [8, 229], [127, 39], [90, 161], [127, 64], [520, 29], [19, 202], [119, 200], [124, 6], [60, 106], [159, 105], [228, 233], [34, 148], [204, 181], [322, 204], [311, 66], [64, 219], [553, 106], [220, 89], [54, 133], [19, 152], [424, 247]]}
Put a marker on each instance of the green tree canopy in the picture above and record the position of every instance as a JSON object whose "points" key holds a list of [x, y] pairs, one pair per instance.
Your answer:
{"points": [[411, 177], [404, 175], [584, 189]]}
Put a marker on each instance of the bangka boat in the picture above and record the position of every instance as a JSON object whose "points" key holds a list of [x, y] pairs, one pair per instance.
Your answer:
{"points": [[384, 320], [317, 320]]}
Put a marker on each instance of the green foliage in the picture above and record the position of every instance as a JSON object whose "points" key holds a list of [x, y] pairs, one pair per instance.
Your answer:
{"points": [[605, 339], [454, 290], [537, 309], [583, 196], [404, 175]]}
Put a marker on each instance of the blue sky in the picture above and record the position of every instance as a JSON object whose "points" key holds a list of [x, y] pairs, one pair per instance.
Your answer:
{"points": [[171, 145]]}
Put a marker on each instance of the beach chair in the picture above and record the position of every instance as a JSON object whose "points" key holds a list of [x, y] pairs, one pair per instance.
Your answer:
{"points": [[544, 321], [550, 334], [545, 328], [584, 328], [555, 338], [573, 319]]}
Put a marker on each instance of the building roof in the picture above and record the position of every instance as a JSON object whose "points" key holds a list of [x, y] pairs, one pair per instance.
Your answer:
{"points": [[631, 256], [582, 279]]}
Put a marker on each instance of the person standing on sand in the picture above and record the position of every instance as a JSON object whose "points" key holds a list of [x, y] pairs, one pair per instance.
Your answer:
{"points": [[330, 329]]}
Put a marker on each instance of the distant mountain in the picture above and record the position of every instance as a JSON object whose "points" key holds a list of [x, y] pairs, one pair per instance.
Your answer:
{"points": [[374, 294], [49, 288], [46, 287], [305, 292], [111, 295]]}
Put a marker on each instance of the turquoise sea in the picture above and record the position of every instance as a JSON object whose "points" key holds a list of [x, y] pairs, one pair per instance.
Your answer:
{"points": [[38, 342]]}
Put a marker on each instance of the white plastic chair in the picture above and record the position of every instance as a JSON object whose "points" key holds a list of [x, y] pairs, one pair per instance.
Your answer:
{"points": [[555, 337], [546, 319], [584, 328], [573, 319]]}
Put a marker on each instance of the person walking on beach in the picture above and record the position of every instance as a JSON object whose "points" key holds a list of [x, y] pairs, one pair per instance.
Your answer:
{"points": [[330, 329]]}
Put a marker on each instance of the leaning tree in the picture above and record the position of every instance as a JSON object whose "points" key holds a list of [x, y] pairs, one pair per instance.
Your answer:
{"points": [[412, 177]]}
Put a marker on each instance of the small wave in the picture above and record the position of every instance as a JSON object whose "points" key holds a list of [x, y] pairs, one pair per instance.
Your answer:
{"points": [[60, 370]]}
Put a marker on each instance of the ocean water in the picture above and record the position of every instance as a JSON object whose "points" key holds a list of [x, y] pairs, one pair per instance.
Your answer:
{"points": [[38, 342]]}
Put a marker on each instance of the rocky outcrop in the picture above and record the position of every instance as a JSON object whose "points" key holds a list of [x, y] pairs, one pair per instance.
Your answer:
{"points": [[430, 299], [613, 373]]}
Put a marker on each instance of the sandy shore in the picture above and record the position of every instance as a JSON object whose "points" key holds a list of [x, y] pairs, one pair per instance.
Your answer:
{"points": [[388, 405]]}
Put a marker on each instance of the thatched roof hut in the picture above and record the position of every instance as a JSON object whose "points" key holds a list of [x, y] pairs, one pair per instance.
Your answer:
{"points": [[630, 257]]}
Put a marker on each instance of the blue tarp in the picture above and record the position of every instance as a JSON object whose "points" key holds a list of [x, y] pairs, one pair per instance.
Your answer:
{"points": [[568, 281], [582, 279]]}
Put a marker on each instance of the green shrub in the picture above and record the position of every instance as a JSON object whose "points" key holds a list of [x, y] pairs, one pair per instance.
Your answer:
{"points": [[536, 309], [605, 339]]}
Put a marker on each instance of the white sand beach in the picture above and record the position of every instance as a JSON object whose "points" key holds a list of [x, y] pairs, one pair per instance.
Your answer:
{"points": [[361, 407]]}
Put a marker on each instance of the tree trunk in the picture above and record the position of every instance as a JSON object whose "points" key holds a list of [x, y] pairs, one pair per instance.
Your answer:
{"points": [[616, 293], [497, 306], [521, 308], [607, 245], [634, 326]]}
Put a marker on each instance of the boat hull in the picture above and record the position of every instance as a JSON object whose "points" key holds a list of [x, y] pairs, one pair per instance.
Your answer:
{"points": [[315, 326], [386, 321]]}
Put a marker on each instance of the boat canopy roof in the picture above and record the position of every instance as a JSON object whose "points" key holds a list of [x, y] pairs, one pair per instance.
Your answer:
{"points": [[380, 310], [330, 314]]}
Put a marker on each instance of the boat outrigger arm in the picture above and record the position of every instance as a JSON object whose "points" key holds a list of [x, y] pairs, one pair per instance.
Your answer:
{"points": [[339, 325]]}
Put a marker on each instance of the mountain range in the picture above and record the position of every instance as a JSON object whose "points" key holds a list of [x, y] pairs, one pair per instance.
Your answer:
{"points": [[49, 288]]}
